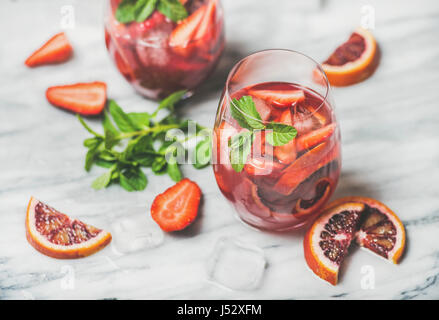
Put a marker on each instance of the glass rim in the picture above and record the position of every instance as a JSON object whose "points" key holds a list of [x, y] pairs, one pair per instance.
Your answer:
{"points": [[318, 66]]}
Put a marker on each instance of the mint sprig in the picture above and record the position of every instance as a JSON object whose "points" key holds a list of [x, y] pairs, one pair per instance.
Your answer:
{"points": [[139, 10], [132, 141], [244, 111]]}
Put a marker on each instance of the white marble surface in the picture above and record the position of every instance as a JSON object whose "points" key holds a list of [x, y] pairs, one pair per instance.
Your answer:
{"points": [[390, 147]]}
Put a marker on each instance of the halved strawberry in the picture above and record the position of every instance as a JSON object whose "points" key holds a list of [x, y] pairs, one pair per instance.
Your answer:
{"points": [[83, 98], [186, 29], [280, 98], [315, 137], [177, 207], [57, 49], [208, 20]]}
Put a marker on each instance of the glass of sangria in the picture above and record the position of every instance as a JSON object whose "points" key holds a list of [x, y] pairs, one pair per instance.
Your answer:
{"points": [[276, 141], [171, 45]]}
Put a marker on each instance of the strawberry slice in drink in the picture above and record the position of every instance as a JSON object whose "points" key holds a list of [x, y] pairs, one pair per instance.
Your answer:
{"points": [[315, 137], [286, 153], [208, 20], [279, 98], [187, 29], [305, 166]]}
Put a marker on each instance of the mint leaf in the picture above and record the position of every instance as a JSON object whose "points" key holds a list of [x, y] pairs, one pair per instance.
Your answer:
{"points": [[92, 143], [244, 111], [280, 134], [174, 171], [126, 11], [144, 8], [111, 139], [203, 152], [240, 148], [90, 158], [133, 179], [122, 120], [170, 101], [104, 163], [104, 180], [139, 119], [173, 9], [158, 164]]}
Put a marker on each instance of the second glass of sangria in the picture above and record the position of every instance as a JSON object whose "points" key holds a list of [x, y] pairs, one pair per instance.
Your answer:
{"points": [[276, 142], [162, 46]]}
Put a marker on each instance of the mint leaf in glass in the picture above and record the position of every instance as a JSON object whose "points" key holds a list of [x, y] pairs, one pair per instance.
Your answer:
{"points": [[240, 148], [173, 9], [244, 111], [280, 134]]}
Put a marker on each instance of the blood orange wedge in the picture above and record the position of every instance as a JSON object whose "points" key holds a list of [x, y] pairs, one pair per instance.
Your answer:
{"points": [[324, 189], [353, 61], [367, 221], [327, 242], [381, 232], [305, 166], [57, 235], [251, 200]]}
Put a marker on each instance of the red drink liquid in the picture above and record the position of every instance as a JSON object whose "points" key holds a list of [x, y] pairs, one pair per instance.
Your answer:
{"points": [[281, 187], [144, 54]]}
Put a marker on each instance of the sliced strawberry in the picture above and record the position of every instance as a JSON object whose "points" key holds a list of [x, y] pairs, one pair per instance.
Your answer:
{"points": [[56, 50], [177, 207], [315, 137], [83, 98], [280, 98], [286, 153], [186, 29], [208, 20], [286, 118]]}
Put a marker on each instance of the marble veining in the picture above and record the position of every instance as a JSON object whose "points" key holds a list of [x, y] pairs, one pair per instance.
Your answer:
{"points": [[390, 152]]}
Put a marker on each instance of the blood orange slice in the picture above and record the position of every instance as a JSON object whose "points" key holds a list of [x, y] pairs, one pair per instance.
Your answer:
{"points": [[324, 188], [353, 61], [57, 235], [381, 232], [305, 166], [367, 221], [327, 241]]}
